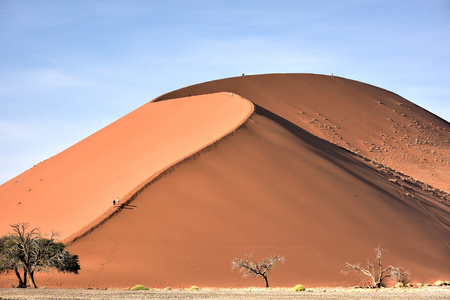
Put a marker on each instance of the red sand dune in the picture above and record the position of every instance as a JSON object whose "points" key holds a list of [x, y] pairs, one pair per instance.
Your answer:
{"points": [[73, 188], [282, 183]]}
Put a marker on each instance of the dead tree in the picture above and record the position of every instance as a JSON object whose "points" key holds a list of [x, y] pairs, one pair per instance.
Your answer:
{"points": [[374, 269], [249, 266]]}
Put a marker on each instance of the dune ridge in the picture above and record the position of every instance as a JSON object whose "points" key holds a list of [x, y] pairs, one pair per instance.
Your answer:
{"points": [[101, 167], [128, 198]]}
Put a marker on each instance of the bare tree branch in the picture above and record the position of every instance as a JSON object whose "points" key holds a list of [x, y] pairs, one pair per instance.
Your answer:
{"points": [[249, 266], [401, 275], [375, 270]]}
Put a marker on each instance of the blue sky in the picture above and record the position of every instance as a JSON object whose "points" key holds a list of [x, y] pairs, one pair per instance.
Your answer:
{"points": [[69, 68]]}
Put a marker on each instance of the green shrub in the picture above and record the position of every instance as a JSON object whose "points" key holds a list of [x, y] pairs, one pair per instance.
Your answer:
{"points": [[168, 288], [139, 287], [194, 288], [399, 285], [299, 288]]}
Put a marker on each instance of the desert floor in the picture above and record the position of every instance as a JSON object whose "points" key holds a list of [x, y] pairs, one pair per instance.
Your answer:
{"points": [[325, 293]]}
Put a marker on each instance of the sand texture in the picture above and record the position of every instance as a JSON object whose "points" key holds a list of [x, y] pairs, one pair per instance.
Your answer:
{"points": [[247, 294], [319, 169]]}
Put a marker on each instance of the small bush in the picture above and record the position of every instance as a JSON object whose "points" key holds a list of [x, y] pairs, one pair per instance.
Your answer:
{"points": [[299, 288], [399, 285], [194, 288], [419, 285], [168, 288], [441, 283], [139, 287]]}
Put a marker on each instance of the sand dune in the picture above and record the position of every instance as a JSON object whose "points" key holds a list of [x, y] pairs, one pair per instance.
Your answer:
{"points": [[77, 186], [282, 183]]}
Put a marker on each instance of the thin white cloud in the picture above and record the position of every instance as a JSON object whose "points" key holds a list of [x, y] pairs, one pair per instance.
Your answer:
{"points": [[19, 82], [27, 143], [15, 131], [50, 79]]}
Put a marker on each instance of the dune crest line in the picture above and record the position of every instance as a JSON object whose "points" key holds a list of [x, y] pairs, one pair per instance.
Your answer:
{"points": [[130, 196]]}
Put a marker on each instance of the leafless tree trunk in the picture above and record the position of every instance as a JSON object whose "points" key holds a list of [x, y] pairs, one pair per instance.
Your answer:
{"points": [[26, 245], [22, 283], [249, 266], [33, 284]]}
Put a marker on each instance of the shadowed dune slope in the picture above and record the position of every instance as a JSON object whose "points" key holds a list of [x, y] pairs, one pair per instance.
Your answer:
{"points": [[75, 187], [363, 118]]}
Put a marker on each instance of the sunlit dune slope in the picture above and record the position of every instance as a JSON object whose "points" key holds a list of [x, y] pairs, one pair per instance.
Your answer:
{"points": [[77, 186], [366, 119]]}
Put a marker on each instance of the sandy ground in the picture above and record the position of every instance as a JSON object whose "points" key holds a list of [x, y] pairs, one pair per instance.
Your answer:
{"points": [[423, 293]]}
